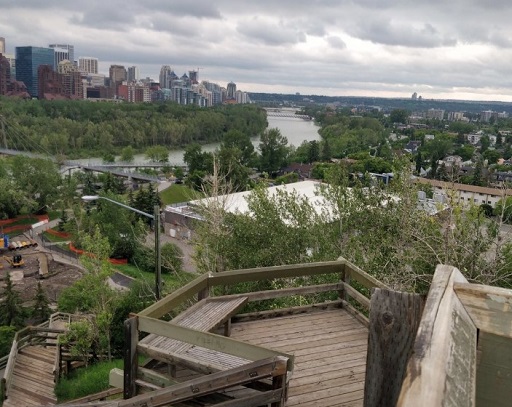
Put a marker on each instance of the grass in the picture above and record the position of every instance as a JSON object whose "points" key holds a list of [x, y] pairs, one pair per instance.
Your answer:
{"points": [[170, 281], [55, 239], [177, 193], [85, 381]]}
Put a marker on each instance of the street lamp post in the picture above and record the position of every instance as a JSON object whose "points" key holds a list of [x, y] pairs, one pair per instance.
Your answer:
{"points": [[156, 221]]}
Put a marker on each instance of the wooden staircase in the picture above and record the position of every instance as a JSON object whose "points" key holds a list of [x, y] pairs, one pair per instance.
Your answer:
{"points": [[32, 380]]}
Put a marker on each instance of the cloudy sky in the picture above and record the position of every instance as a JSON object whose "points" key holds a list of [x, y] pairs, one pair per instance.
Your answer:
{"points": [[457, 49]]}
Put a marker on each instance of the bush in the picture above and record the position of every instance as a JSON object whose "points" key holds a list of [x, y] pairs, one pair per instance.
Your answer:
{"points": [[7, 333], [172, 258], [85, 381]]}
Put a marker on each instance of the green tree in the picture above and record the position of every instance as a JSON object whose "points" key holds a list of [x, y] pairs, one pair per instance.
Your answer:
{"points": [[326, 154], [41, 310], [274, 150], [127, 155], [93, 294], [7, 333], [485, 143], [39, 179], [172, 258], [11, 308], [157, 154], [234, 138], [399, 116]]}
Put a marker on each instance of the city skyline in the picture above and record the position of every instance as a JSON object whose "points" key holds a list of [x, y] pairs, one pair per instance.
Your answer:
{"points": [[389, 48]]}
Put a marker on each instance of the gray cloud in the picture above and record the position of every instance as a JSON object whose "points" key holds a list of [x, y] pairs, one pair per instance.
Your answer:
{"points": [[324, 46], [269, 33]]}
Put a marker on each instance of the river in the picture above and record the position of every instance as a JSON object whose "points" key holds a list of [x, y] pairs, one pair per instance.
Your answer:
{"points": [[295, 130]]}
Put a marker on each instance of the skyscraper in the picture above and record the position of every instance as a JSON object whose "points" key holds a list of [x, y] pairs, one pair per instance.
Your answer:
{"points": [[2, 45], [231, 90], [88, 64], [133, 74], [28, 60], [117, 74], [62, 52], [165, 71]]}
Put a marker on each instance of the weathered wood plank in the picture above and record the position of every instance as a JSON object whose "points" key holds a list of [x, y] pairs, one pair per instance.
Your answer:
{"points": [[270, 273], [442, 369], [394, 321], [130, 357], [255, 400], [490, 308], [363, 278], [276, 366], [287, 292], [208, 340], [168, 303], [287, 311], [494, 371], [356, 295]]}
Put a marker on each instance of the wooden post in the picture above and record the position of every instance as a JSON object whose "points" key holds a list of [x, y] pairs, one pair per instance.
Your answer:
{"points": [[394, 321], [131, 338], [279, 382]]}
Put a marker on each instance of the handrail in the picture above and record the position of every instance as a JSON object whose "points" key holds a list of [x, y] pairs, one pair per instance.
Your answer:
{"points": [[21, 339], [348, 272]]}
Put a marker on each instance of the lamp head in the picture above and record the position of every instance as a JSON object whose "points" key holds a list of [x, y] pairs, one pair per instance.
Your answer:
{"points": [[90, 198]]}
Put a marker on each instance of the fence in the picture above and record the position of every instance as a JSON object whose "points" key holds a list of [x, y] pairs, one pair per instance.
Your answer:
{"points": [[57, 249]]}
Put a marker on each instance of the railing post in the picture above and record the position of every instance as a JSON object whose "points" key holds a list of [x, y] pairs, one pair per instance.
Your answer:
{"points": [[346, 281], [394, 321], [279, 382], [3, 396], [131, 338]]}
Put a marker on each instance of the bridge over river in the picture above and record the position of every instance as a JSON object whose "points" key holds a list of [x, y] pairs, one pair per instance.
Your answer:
{"points": [[114, 168], [272, 112]]}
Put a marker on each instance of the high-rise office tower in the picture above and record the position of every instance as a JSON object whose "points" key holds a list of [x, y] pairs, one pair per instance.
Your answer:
{"points": [[2, 45], [133, 74], [165, 72], [88, 64], [194, 77], [28, 60], [117, 74], [231, 90], [63, 52]]}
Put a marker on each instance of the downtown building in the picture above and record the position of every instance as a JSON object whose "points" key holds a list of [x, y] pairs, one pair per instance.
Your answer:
{"points": [[88, 65], [63, 52], [5, 75], [28, 60]]}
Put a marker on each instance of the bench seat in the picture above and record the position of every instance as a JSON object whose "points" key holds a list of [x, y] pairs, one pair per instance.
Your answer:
{"points": [[205, 316]]}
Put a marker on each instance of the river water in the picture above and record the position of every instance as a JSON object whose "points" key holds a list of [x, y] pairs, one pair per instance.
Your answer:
{"points": [[295, 130]]}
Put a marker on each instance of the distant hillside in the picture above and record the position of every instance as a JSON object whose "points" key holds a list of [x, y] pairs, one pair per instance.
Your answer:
{"points": [[386, 104]]}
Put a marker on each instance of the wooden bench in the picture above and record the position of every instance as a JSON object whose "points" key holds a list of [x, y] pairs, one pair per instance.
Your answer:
{"points": [[205, 316]]}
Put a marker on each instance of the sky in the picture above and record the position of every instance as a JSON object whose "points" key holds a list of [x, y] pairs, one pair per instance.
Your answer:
{"points": [[457, 49]]}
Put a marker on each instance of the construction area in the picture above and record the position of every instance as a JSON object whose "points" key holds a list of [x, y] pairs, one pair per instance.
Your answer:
{"points": [[27, 263]]}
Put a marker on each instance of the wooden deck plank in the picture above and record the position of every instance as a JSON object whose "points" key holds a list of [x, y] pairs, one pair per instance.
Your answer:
{"points": [[330, 355], [32, 379]]}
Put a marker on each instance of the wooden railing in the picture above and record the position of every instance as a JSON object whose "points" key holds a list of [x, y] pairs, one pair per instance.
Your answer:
{"points": [[32, 335], [349, 282], [351, 286], [460, 318]]}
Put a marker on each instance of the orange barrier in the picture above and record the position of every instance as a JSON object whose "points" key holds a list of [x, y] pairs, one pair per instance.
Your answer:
{"points": [[14, 220], [22, 228], [53, 232], [111, 261]]}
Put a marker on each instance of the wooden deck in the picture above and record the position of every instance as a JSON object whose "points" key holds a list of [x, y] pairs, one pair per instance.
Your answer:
{"points": [[32, 378], [330, 354]]}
